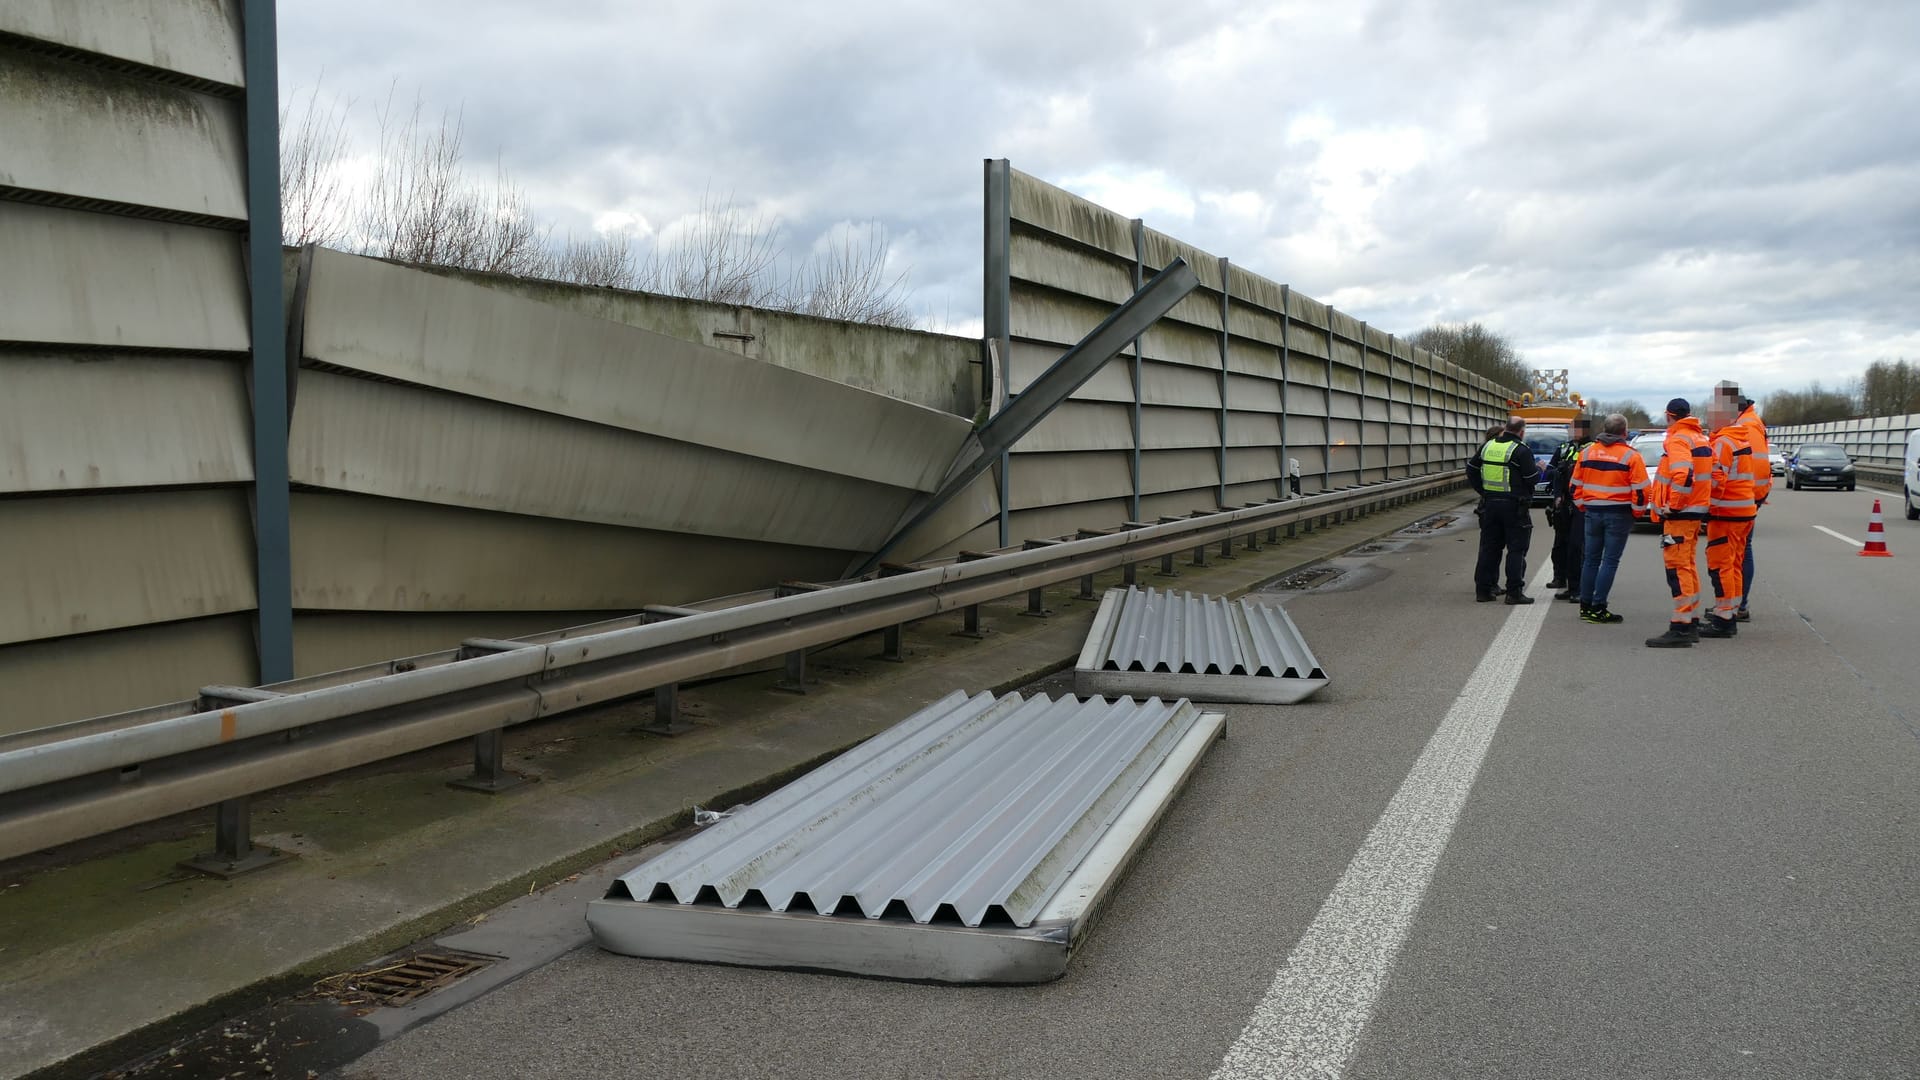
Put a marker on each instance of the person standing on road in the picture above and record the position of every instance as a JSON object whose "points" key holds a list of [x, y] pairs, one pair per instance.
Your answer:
{"points": [[1609, 480], [1756, 430], [1504, 473], [1681, 493], [1730, 512], [1569, 523]]}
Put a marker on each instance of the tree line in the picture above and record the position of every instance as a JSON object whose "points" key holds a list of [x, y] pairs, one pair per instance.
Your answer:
{"points": [[1887, 388], [419, 202]]}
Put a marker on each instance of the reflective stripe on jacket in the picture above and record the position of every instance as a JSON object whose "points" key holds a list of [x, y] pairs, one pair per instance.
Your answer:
{"points": [[1733, 496], [1609, 474], [1760, 462], [1683, 488]]}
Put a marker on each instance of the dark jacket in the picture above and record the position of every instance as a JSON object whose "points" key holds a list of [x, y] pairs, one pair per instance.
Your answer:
{"points": [[1560, 470], [1522, 471]]}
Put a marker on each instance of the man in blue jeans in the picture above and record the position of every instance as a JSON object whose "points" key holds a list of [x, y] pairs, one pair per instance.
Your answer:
{"points": [[1609, 481]]}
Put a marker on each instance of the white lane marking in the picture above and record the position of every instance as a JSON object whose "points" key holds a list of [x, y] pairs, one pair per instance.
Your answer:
{"points": [[1840, 536], [1310, 1020]]}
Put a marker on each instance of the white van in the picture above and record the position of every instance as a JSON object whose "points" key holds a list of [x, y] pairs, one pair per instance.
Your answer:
{"points": [[1911, 466]]}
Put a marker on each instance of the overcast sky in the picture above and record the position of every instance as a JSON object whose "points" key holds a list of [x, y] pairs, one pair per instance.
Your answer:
{"points": [[1655, 195]]}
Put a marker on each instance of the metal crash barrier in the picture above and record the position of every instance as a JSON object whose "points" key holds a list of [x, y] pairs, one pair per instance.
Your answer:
{"points": [[70, 781]]}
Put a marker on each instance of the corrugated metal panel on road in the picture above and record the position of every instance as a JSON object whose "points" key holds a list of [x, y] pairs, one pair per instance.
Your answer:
{"points": [[974, 810], [1206, 647]]}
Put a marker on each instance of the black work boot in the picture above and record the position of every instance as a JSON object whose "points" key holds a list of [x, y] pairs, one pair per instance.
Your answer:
{"points": [[1519, 597], [1742, 616], [1718, 627], [1482, 596], [1557, 583], [1676, 637], [1571, 597]]}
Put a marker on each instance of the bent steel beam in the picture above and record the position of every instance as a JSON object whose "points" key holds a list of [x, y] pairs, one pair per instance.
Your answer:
{"points": [[1024, 412]]}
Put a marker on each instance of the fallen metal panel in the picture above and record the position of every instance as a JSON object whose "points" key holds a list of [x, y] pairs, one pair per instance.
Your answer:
{"points": [[198, 38], [377, 438], [69, 423], [973, 842], [360, 553], [1206, 647], [443, 332], [96, 279], [79, 131]]}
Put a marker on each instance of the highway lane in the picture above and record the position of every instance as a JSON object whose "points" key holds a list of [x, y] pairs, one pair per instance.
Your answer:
{"points": [[1689, 862]]}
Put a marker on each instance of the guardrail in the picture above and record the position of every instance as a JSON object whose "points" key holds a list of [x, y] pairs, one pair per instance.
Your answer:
{"points": [[71, 781]]}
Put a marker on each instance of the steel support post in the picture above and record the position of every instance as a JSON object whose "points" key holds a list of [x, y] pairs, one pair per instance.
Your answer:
{"points": [[233, 851], [794, 679], [667, 719], [1360, 444], [490, 775], [997, 295], [1226, 346], [890, 645], [1226, 547], [267, 371], [1133, 457]]}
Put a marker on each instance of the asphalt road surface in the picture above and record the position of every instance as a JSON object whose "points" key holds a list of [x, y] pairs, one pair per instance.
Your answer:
{"points": [[1503, 843]]}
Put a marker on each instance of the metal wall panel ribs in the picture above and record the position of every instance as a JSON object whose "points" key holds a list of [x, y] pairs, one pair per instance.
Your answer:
{"points": [[1205, 647], [970, 842]]}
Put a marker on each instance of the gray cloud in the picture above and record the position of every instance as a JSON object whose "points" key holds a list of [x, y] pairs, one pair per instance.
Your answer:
{"points": [[1641, 191]]}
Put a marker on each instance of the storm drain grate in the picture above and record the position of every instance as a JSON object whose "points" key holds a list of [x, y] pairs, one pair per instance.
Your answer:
{"points": [[401, 981], [1305, 579]]}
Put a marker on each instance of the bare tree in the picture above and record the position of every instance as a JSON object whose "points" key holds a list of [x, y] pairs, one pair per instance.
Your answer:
{"points": [[722, 253], [607, 261], [850, 279], [1479, 350], [421, 206], [313, 194]]}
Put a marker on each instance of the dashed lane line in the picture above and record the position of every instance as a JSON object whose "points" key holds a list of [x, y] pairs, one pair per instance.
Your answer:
{"points": [[1840, 536], [1309, 1022]]}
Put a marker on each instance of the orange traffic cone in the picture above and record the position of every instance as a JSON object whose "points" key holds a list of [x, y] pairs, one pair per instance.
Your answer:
{"points": [[1876, 535]]}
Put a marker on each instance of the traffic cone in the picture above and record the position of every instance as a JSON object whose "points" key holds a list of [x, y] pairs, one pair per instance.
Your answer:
{"points": [[1876, 535]]}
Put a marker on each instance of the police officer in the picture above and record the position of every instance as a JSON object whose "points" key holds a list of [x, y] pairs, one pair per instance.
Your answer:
{"points": [[1504, 473], [1566, 517]]}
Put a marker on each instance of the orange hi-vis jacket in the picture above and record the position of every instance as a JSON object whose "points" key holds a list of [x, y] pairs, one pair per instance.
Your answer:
{"points": [[1760, 463], [1684, 486], [1733, 490], [1609, 474]]}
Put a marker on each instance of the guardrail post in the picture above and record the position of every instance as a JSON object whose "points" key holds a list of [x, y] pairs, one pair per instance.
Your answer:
{"points": [[890, 645], [233, 851], [794, 681], [970, 615], [1199, 550], [666, 712], [1036, 597], [490, 774]]}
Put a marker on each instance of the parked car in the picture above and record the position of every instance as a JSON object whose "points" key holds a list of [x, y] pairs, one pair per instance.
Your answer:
{"points": [[1821, 465], [1652, 448]]}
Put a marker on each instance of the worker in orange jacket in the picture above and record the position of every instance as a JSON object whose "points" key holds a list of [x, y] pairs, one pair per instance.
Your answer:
{"points": [[1682, 490], [1756, 431], [1609, 481], [1730, 511]]}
